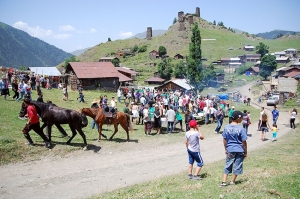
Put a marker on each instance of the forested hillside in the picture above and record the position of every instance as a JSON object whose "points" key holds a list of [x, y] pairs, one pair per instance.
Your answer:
{"points": [[276, 34], [18, 48]]}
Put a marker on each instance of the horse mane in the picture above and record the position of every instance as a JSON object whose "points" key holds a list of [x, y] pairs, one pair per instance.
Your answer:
{"points": [[40, 106]]}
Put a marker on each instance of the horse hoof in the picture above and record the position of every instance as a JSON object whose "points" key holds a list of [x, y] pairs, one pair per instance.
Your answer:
{"points": [[85, 148], [98, 140]]}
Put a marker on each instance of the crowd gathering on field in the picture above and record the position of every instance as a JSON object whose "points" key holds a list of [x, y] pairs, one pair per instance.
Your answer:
{"points": [[155, 108]]}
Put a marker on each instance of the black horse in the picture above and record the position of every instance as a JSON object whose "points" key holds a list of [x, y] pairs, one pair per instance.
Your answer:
{"points": [[23, 112], [52, 114]]}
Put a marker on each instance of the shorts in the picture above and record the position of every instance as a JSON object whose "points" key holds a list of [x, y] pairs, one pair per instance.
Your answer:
{"points": [[4, 91], [195, 156], [264, 129], [234, 162]]}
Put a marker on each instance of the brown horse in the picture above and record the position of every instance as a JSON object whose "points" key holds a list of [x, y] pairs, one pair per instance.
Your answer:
{"points": [[121, 118]]}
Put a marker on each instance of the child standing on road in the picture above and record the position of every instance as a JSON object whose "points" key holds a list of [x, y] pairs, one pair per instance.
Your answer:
{"points": [[274, 132], [193, 148]]}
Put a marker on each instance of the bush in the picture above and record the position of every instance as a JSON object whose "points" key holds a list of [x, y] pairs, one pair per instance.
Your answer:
{"points": [[143, 49]]}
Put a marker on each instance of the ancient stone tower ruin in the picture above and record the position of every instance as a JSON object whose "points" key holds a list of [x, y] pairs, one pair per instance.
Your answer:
{"points": [[149, 33], [181, 19], [190, 19], [197, 11]]}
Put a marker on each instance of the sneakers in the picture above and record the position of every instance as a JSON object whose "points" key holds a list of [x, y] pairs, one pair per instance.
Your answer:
{"points": [[223, 184], [196, 178], [216, 132], [190, 176], [232, 183]]}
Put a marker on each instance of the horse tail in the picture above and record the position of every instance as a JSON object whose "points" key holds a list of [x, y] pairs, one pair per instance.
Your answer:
{"points": [[129, 122], [84, 120]]}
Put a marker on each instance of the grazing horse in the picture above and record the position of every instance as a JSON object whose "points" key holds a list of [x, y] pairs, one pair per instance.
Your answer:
{"points": [[98, 115], [52, 114]]}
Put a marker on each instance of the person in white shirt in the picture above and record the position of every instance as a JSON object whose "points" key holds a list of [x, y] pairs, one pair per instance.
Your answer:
{"points": [[206, 114], [262, 111], [119, 94], [212, 112], [143, 100], [180, 100], [113, 102], [170, 117]]}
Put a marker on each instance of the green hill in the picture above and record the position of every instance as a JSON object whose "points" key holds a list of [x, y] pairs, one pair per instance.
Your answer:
{"points": [[276, 33], [176, 41], [18, 48]]}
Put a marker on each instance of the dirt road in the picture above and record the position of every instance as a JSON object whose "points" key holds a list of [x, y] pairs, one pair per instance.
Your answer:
{"points": [[88, 173]]}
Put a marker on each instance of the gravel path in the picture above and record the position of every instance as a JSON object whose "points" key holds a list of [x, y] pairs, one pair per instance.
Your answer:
{"points": [[89, 173]]}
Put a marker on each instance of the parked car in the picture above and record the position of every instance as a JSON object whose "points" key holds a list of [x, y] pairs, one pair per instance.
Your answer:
{"points": [[271, 101], [222, 89]]}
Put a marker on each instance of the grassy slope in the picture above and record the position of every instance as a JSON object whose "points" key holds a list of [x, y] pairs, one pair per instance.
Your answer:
{"points": [[272, 172], [178, 42]]}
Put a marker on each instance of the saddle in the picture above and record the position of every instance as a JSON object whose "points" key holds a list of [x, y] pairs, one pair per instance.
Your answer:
{"points": [[109, 113]]}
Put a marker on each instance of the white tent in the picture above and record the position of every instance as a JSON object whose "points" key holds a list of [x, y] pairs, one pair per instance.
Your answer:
{"points": [[48, 71]]}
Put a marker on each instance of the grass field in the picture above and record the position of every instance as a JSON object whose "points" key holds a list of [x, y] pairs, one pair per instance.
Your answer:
{"points": [[271, 172], [13, 149]]}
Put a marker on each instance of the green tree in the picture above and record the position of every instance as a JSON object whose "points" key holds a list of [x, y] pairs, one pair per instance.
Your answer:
{"points": [[214, 22], [143, 49], [262, 49], [174, 20], [180, 70], [135, 49], [162, 51], [194, 65], [70, 59], [165, 68], [209, 75], [267, 65], [220, 23], [115, 62], [108, 39], [22, 68]]}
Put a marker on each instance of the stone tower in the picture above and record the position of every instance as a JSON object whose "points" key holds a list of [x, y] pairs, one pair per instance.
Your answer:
{"points": [[149, 33], [181, 16], [191, 19], [197, 11]]}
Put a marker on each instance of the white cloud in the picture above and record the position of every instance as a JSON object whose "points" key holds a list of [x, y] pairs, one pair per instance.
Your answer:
{"points": [[92, 30], [62, 36], [67, 28], [33, 31], [125, 34]]}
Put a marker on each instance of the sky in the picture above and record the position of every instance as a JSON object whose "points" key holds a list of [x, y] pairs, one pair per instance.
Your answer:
{"points": [[76, 24]]}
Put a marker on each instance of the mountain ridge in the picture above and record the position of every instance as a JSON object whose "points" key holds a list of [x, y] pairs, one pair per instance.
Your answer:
{"points": [[18, 48]]}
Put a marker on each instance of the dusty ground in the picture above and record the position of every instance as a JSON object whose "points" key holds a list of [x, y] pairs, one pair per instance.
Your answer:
{"points": [[85, 173]]}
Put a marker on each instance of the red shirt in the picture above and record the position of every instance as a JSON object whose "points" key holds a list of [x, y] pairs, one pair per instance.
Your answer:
{"points": [[202, 104], [32, 114]]}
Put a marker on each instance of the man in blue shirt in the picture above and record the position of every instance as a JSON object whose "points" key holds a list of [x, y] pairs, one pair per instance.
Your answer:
{"points": [[235, 144], [275, 114]]}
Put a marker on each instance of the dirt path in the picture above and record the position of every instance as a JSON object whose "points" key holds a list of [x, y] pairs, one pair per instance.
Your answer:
{"points": [[95, 173]]}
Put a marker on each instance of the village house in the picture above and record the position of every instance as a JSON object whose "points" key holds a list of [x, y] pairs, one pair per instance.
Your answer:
{"points": [[283, 60], [108, 59], [128, 72], [291, 52], [284, 70], [295, 65], [175, 84], [230, 61], [155, 80], [252, 71], [95, 75], [249, 48], [178, 56], [220, 77], [250, 58], [153, 54], [279, 54]]}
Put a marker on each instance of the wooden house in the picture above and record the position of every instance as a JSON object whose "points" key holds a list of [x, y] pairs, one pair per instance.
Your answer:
{"points": [[178, 56], [153, 54], [107, 59]]}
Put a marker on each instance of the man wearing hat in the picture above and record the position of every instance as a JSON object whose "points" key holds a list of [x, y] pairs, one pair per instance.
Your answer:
{"points": [[235, 145], [33, 124], [193, 148]]}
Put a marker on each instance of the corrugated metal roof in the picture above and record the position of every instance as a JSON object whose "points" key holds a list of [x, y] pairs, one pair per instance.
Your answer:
{"points": [[180, 82], [235, 59], [296, 64], [255, 68], [279, 53], [249, 47], [155, 79], [49, 71], [292, 74], [124, 78], [281, 58], [94, 69], [126, 70], [107, 58], [282, 68]]}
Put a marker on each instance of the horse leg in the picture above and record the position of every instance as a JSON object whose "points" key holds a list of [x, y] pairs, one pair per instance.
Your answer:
{"points": [[61, 130], [83, 137], [116, 130], [125, 127], [49, 131], [73, 134]]}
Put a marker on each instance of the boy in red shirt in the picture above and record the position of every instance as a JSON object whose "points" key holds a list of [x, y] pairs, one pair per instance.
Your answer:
{"points": [[33, 124]]}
